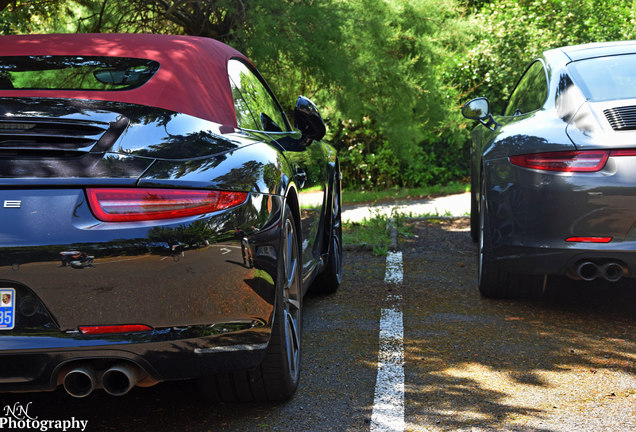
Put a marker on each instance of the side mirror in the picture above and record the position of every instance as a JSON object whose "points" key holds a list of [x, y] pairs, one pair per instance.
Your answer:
{"points": [[476, 109], [308, 121], [479, 109]]}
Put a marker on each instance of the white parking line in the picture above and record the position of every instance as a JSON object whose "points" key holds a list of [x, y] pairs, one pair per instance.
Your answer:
{"points": [[394, 272], [388, 404]]}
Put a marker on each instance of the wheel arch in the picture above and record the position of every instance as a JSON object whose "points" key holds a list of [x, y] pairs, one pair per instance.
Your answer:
{"points": [[333, 181], [291, 199]]}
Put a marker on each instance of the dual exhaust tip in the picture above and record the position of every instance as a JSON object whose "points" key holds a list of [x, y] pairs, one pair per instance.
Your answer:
{"points": [[611, 271], [118, 380]]}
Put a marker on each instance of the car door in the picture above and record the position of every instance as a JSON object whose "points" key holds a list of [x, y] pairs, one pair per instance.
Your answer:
{"points": [[258, 112]]}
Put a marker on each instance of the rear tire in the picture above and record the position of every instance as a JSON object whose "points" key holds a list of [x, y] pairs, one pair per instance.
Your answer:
{"points": [[281, 366], [474, 208], [276, 378], [492, 281]]}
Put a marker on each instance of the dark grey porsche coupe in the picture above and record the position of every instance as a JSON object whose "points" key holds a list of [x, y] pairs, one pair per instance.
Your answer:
{"points": [[554, 177], [160, 217]]}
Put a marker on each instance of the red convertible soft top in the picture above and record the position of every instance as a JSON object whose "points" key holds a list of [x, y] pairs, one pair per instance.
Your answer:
{"points": [[192, 77]]}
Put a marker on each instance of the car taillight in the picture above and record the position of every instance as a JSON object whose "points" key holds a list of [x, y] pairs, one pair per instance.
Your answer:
{"points": [[589, 239], [109, 329], [566, 161], [126, 205], [625, 152]]}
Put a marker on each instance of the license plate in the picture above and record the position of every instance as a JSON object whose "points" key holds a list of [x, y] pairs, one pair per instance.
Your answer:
{"points": [[7, 308]]}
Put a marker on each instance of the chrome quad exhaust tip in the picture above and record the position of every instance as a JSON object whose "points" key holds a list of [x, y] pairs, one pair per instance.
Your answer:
{"points": [[610, 271], [121, 378], [587, 270], [613, 272], [79, 382], [82, 379]]}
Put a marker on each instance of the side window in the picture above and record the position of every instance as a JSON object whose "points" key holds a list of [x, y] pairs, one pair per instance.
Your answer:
{"points": [[530, 93], [244, 117], [255, 107]]}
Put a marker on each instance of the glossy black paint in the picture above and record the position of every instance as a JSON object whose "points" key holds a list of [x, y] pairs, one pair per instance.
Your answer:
{"points": [[308, 120], [205, 284]]}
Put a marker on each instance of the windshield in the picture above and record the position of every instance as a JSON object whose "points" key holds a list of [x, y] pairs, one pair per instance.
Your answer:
{"points": [[74, 73], [606, 78]]}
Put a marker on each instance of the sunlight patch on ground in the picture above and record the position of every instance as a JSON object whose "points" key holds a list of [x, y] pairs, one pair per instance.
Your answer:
{"points": [[543, 391]]}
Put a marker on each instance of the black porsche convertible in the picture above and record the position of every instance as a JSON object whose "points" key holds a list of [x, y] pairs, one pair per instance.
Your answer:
{"points": [[161, 218]]}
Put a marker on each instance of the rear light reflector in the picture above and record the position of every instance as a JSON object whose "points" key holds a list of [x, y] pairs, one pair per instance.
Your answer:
{"points": [[109, 329], [589, 239], [567, 161], [627, 152], [126, 205]]}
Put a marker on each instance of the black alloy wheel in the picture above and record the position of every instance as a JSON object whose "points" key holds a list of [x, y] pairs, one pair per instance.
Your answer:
{"points": [[276, 378], [288, 322]]}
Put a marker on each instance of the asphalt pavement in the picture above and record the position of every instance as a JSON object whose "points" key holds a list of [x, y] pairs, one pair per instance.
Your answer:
{"points": [[459, 363]]}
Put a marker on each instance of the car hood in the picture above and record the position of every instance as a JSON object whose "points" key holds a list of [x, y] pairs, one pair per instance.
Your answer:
{"points": [[46, 139], [604, 125]]}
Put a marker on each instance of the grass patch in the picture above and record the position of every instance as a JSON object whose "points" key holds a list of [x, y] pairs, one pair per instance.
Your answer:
{"points": [[358, 196], [445, 214], [373, 232]]}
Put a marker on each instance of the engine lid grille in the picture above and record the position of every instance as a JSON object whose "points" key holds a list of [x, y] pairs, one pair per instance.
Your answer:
{"points": [[621, 118], [46, 137]]}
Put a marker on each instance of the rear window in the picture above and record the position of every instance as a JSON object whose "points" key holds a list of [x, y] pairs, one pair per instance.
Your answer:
{"points": [[606, 78], [74, 73]]}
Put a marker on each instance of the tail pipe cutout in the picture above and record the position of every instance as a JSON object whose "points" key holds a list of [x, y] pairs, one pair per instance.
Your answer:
{"points": [[611, 271], [81, 379]]}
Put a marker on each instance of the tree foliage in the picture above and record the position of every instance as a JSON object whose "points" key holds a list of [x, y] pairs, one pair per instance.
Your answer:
{"points": [[377, 67], [388, 75], [513, 33], [29, 16]]}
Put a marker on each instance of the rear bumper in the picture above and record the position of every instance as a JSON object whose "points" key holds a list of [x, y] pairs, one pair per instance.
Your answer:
{"points": [[40, 368], [204, 285], [531, 213], [561, 261]]}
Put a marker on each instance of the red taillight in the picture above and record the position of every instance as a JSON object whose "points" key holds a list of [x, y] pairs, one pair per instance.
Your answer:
{"points": [[125, 205], [626, 152], [589, 239], [567, 161], [109, 329]]}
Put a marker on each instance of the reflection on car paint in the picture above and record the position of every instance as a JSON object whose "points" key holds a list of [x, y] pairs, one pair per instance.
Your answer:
{"points": [[77, 259], [186, 296]]}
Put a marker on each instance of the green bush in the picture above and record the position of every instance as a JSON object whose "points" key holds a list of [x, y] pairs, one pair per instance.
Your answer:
{"points": [[510, 34], [389, 76]]}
